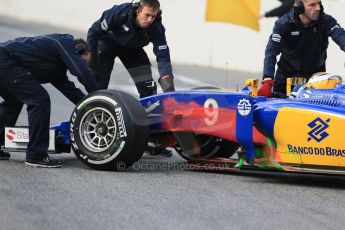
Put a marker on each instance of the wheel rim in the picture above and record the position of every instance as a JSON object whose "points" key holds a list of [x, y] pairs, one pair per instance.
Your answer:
{"points": [[98, 129]]}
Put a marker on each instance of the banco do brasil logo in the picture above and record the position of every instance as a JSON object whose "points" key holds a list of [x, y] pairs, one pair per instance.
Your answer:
{"points": [[318, 129]]}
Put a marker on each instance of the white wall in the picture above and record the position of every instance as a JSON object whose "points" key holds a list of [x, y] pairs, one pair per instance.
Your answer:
{"points": [[191, 39]]}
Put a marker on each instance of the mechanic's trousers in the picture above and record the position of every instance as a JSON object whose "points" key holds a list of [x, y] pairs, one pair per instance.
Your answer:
{"points": [[135, 61], [18, 87]]}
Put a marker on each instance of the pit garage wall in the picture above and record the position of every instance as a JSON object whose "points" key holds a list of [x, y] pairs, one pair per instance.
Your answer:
{"points": [[192, 41]]}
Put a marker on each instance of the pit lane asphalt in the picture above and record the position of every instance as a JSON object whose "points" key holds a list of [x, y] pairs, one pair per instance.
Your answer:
{"points": [[158, 193]]}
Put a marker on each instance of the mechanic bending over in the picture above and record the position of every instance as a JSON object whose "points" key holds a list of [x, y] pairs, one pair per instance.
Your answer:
{"points": [[123, 31], [301, 37], [25, 64]]}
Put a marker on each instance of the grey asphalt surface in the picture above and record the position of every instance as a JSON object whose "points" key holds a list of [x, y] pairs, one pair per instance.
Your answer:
{"points": [[158, 193]]}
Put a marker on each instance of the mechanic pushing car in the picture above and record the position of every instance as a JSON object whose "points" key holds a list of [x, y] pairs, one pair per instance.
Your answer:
{"points": [[301, 37], [123, 31], [25, 64]]}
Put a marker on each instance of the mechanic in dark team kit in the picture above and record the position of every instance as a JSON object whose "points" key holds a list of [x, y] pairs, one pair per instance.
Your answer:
{"points": [[123, 31], [301, 37], [25, 64]]}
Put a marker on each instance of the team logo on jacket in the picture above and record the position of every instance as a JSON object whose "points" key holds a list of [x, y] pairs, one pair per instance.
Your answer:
{"points": [[163, 47], [125, 28], [318, 129], [335, 27], [244, 107], [104, 25], [276, 37]]}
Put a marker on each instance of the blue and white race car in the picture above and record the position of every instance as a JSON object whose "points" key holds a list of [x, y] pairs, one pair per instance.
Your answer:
{"points": [[110, 130]]}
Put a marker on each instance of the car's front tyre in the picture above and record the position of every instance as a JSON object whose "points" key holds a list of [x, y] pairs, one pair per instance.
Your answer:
{"points": [[109, 130]]}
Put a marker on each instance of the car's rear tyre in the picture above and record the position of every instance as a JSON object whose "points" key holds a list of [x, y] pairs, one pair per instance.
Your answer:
{"points": [[109, 130], [209, 146]]}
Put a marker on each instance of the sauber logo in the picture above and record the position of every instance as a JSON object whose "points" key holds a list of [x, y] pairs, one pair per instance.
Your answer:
{"points": [[17, 135], [10, 135], [318, 127]]}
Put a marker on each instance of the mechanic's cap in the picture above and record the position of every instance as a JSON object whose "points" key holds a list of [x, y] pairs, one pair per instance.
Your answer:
{"points": [[81, 46]]}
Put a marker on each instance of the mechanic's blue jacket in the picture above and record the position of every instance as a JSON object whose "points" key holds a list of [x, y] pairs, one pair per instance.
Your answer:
{"points": [[48, 58], [303, 49], [118, 25]]}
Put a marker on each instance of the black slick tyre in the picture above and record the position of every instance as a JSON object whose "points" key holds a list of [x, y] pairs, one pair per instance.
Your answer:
{"points": [[109, 130]]}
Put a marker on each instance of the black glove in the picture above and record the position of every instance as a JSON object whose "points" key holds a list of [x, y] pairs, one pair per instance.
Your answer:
{"points": [[167, 84]]}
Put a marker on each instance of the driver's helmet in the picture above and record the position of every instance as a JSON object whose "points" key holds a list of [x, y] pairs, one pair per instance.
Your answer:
{"points": [[323, 81]]}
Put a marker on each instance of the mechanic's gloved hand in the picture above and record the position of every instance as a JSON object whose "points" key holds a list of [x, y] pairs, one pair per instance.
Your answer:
{"points": [[266, 88], [167, 83]]}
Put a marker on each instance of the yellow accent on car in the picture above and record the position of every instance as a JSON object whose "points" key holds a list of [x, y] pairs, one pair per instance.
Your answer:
{"points": [[297, 142], [293, 81], [323, 81], [254, 84]]}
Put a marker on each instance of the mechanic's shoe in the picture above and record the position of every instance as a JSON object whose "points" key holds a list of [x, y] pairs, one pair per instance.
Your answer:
{"points": [[4, 155], [161, 152], [47, 162]]}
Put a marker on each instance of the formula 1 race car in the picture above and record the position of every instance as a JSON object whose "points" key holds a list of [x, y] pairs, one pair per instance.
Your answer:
{"points": [[110, 130]]}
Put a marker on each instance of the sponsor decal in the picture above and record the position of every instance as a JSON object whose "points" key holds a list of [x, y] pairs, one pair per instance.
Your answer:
{"points": [[327, 151], [318, 129], [335, 27], [120, 122], [244, 107], [71, 131], [211, 111], [276, 37], [163, 47], [125, 28], [20, 135], [18, 138], [104, 25], [10, 135], [320, 95]]}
